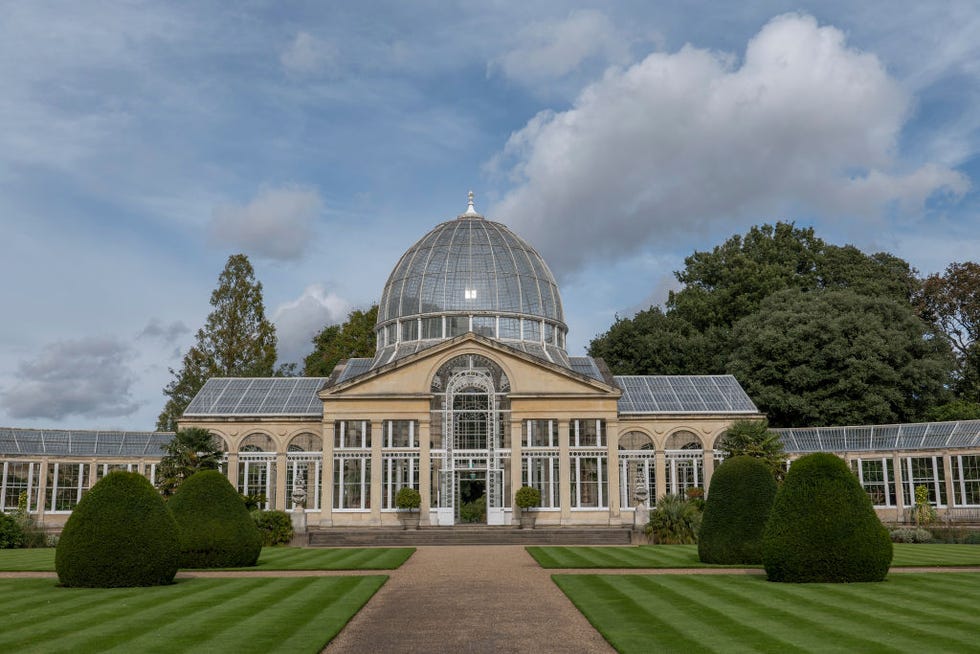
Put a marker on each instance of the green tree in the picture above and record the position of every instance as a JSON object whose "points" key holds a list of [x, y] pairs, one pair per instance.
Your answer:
{"points": [[951, 301], [836, 357], [754, 439], [354, 338], [742, 493], [189, 451], [236, 341], [693, 335], [955, 410]]}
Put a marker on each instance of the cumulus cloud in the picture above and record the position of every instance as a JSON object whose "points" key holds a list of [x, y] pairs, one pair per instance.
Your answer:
{"points": [[548, 50], [166, 333], [682, 140], [89, 377], [277, 224], [297, 321], [308, 55]]}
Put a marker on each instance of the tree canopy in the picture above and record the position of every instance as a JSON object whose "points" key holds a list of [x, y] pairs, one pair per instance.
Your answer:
{"points": [[189, 451], [354, 338], [816, 333], [236, 341], [951, 302]]}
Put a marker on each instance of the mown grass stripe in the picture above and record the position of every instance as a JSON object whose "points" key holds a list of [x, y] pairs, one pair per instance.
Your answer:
{"points": [[773, 615], [643, 631]]}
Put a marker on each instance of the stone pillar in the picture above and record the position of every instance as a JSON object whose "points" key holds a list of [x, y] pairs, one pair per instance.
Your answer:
{"points": [[42, 491], [326, 476], [899, 496], [93, 471], [660, 463], [377, 438], [232, 469], [707, 470], [612, 472], [950, 486], [564, 472], [282, 493], [516, 461], [425, 470]]}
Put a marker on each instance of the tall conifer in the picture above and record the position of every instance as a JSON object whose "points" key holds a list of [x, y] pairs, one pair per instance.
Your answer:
{"points": [[236, 341]]}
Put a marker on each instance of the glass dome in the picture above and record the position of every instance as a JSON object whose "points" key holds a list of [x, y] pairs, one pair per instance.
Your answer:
{"points": [[471, 274]]}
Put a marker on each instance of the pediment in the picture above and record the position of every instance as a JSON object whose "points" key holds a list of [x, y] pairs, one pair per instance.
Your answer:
{"points": [[528, 375]]}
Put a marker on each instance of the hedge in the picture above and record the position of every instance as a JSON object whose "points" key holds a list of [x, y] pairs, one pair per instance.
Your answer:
{"points": [[215, 528], [120, 534], [823, 528], [735, 513]]}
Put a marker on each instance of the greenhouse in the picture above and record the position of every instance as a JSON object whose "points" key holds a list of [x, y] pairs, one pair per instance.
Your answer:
{"points": [[471, 394]]}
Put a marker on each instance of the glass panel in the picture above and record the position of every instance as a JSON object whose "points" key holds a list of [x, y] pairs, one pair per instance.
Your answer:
{"points": [[485, 326], [510, 328], [431, 328], [410, 330]]}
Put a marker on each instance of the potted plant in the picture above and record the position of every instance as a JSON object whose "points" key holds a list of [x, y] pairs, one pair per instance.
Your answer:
{"points": [[408, 501], [527, 498]]}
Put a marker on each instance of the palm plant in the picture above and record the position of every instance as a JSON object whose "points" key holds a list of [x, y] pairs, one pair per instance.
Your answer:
{"points": [[675, 521]]}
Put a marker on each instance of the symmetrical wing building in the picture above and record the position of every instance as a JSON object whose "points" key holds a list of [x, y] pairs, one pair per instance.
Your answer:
{"points": [[470, 395]]}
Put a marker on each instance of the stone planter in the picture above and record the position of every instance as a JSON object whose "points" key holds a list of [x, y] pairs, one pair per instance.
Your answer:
{"points": [[409, 519], [528, 518]]}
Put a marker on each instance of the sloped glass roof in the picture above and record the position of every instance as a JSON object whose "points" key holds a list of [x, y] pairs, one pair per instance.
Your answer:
{"points": [[644, 394], [75, 442], [879, 438], [270, 396], [585, 366]]}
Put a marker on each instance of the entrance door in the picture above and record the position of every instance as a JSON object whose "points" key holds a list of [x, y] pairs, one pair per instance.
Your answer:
{"points": [[471, 498]]}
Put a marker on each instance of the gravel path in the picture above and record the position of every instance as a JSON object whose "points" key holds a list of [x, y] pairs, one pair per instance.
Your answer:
{"points": [[469, 599]]}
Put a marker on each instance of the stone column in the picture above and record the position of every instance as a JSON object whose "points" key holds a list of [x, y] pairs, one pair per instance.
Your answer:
{"points": [[282, 493], [612, 472], [660, 463], [377, 438], [564, 472], [425, 470], [326, 476], [516, 461], [93, 471], [232, 469], [950, 486], [899, 495], [708, 469], [42, 491]]}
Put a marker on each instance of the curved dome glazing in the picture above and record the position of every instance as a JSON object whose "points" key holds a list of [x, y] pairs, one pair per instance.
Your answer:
{"points": [[471, 274]]}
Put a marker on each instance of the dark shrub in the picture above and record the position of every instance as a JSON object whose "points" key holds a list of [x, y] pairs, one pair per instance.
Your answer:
{"points": [[215, 528], [972, 538], [822, 527], [675, 520], [742, 492], [11, 535], [275, 527], [120, 534], [910, 535]]}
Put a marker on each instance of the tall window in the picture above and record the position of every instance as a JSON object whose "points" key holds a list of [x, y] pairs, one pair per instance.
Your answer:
{"points": [[257, 469], [19, 477], [66, 483], [399, 459], [352, 483], [351, 434], [304, 469], [637, 465], [541, 433], [924, 471], [471, 418], [877, 477], [684, 462], [588, 474], [966, 480]]}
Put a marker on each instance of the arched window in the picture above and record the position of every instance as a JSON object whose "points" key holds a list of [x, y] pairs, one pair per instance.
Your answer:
{"points": [[306, 442], [637, 467], [257, 443]]}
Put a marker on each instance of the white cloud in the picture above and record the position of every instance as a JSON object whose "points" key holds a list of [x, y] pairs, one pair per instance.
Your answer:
{"points": [[277, 224], [297, 321], [308, 55], [679, 141], [166, 333], [547, 50], [89, 377]]}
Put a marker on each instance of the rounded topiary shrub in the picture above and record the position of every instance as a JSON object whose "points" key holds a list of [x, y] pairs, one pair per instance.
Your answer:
{"points": [[120, 534], [11, 535], [823, 528], [735, 513], [215, 528]]}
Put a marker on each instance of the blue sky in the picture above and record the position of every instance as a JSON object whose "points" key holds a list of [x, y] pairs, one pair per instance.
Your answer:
{"points": [[143, 143]]}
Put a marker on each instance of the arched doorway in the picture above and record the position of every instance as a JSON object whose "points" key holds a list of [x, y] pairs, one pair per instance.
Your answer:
{"points": [[470, 400]]}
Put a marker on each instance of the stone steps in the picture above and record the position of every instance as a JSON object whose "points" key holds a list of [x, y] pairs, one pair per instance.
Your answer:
{"points": [[394, 536]]}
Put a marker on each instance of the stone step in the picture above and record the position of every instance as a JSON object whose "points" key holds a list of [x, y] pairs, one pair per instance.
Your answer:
{"points": [[389, 536]]}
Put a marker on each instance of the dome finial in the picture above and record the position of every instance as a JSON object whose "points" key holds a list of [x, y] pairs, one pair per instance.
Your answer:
{"points": [[470, 209]]}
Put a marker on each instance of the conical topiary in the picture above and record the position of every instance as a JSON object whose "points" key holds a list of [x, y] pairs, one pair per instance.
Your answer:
{"points": [[120, 534], [823, 528], [739, 500], [215, 528]]}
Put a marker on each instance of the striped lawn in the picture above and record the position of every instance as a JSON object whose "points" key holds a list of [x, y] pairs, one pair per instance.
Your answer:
{"points": [[206, 615], [272, 558], [922, 612], [686, 556]]}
